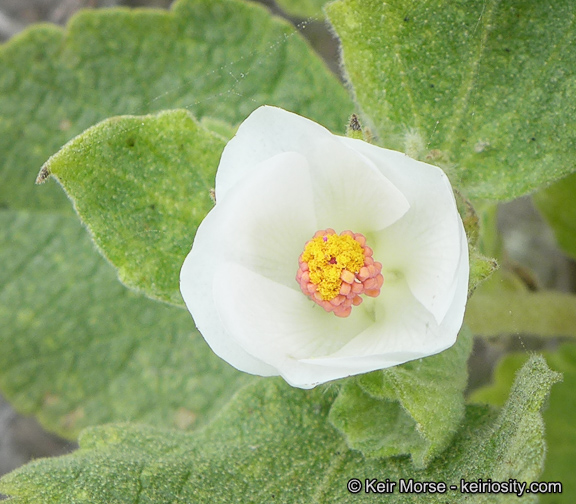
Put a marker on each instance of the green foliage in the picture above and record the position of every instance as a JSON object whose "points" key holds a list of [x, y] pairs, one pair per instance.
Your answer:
{"points": [[91, 352], [79, 349], [411, 409], [558, 205], [481, 268], [486, 88], [500, 312], [220, 59], [273, 443], [142, 186], [558, 416], [302, 8]]}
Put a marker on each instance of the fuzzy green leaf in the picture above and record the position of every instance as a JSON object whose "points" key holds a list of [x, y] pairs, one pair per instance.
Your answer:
{"points": [[558, 416], [559, 208], [220, 59], [481, 268], [79, 349], [423, 400], [142, 186], [273, 443], [484, 88]]}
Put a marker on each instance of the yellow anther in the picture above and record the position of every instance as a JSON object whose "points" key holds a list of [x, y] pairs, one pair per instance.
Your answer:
{"points": [[328, 258], [334, 271]]}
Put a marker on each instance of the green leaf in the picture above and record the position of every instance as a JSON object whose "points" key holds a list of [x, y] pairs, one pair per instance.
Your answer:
{"points": [[302, 8], [79, 349], [218, 127], [558, 416], [142, 186], [559, 208], [484, 87], [273, 443], [422, 400], [543, 313], [220, 59], [481, 268]]}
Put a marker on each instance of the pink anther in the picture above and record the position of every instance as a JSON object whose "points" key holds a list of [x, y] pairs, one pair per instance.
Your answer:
{"points": [[368, 280]]}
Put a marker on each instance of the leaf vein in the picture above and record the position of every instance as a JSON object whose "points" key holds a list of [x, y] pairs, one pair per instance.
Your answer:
{"points": [[468, 84]]}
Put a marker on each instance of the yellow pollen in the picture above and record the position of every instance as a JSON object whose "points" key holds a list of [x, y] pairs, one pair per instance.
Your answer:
{"points": [[335, 271], [327, 256]]}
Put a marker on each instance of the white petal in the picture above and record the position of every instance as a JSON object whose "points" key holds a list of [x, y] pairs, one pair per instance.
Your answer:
{"points": [[259, 225], [280, 326], [266, 132], [452, 322], [404, 330], [426, 244], [282, 178], [349, 191]]}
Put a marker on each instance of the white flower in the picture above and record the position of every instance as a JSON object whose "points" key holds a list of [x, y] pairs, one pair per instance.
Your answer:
{"points": [[281, 179]]}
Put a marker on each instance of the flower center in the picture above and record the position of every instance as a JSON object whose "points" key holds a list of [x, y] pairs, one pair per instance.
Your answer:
{"points": [[334, 270]]}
